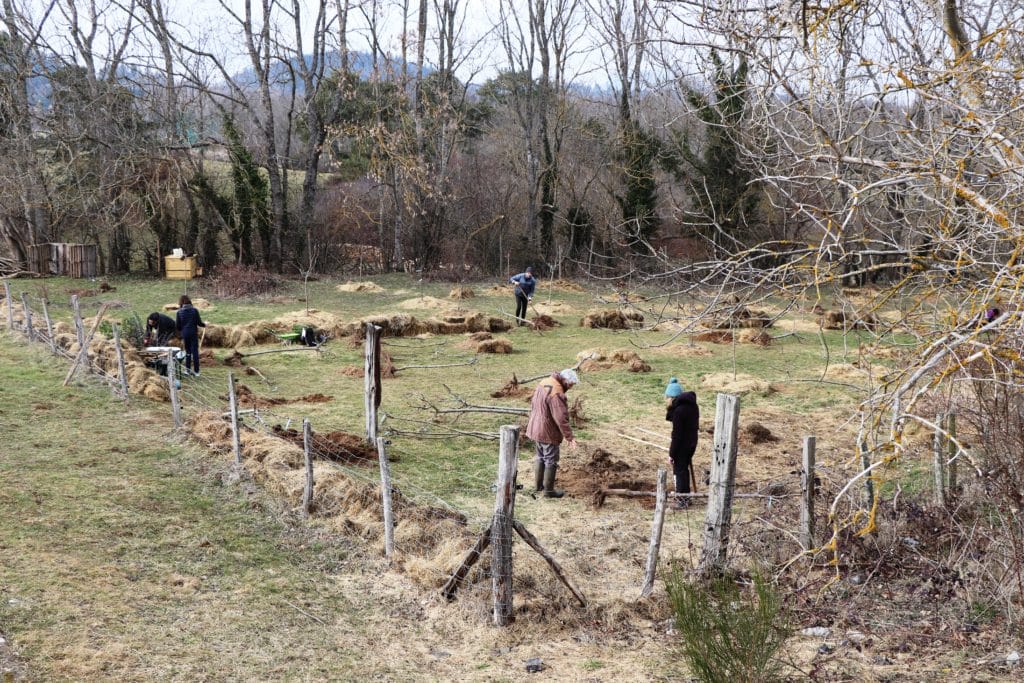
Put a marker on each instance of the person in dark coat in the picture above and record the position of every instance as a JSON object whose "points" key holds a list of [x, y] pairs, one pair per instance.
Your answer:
{"points": [[524, 283], [684, 414], [159, 330], [188, 323]]}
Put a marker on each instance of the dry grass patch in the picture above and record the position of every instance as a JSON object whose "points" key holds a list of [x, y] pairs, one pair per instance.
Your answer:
{"points": [[369, 287], [739, 383]]}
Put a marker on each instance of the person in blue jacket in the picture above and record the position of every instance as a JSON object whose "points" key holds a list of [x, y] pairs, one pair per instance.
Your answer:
{"points": [[683, 413], [524, 283], [188, 323]]}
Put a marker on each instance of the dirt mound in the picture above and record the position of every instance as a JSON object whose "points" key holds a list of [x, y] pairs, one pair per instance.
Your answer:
{"points": [[595, 359], [247, 398], [512, 389], [756, 336], [758, 433], [544, 322], [740, 383], [584, 480], [338, 446], [494, 346], [612, 320], [367, 286], [461, 293]]}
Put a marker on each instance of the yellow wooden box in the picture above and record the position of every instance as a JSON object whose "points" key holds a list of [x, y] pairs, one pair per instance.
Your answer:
{"points": [[180, 268]]}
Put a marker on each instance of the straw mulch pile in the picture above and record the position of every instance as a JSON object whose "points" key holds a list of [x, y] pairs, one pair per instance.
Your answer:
{"points": [[612, 320], [593, 360]]}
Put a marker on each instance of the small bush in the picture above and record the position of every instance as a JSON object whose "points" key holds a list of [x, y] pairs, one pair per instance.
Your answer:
{"points": [[727, 636]]}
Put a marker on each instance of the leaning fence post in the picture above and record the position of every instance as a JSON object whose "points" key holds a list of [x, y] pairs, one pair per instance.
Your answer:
{"points": [[28, 317], [723, 476], [371, 374], [120, 358], [807, 494], [953, 449], [236, 441], [501, 527], [655, 546], [172, 382], [10, 306], [307, 493], [76, 308], [385, 494], [49, 326], [939, 461]]}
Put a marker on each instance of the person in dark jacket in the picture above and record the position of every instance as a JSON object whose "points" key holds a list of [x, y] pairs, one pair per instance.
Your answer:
{"points": [[549, 425], [188, 323], [159, 330], [524, 283], [684, 414]]}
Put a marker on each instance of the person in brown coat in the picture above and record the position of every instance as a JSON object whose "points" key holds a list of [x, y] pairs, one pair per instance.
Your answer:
{"points": [[549, 426]]}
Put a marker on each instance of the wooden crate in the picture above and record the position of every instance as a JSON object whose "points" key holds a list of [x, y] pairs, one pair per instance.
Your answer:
{"points": [[180, 268]]}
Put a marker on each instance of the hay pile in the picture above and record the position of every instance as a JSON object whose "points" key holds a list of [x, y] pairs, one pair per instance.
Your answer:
{"points": [[612, 320], [593, 360], [461, 293], [409, 326], [715, 337], [423, 302], [544, 322], [740, 383], [741, 317], [370, 287], [387, 368], [841, 320], [430, 538]]}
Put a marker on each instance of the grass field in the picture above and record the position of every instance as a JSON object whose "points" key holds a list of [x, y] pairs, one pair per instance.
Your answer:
{"points": [[134, 563]]}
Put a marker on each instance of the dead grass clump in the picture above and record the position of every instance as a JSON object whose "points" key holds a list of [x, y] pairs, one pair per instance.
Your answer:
{"points": [[841, 320], [565, 286], [393, 326], [739, 383], [630, 359], [235, 360], [593, 360], [757, 337], [228, 336], [371, 287], [612, 320], [461, 292], [387, 368], [470, 343], [494, 346]]}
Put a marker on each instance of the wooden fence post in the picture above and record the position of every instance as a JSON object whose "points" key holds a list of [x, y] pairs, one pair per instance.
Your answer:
{"points": [[122, 374], [172, 382], [307, 493], [723, 476], [501, 526], [49, 326], [385, 495], [939, 460], [869, 482], [807, 494], [10, 306], [951, 430], [236, 440], [76, 308], [83, 351], [371, 374], [28, 317], [656, 527]]}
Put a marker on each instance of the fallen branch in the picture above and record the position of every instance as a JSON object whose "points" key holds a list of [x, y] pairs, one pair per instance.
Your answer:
{"points": [[296, 348], [548, 374], [532, 541], [472, 361], [464, 406], [647, 443], [453, 583]]}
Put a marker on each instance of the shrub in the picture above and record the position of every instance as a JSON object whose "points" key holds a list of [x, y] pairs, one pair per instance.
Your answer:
{"points": [[236, 282], [728, 636]]}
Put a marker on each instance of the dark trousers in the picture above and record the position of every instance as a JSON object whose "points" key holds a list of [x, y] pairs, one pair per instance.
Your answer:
{"points": [[191, 351], [521, 304], [681, 470]]}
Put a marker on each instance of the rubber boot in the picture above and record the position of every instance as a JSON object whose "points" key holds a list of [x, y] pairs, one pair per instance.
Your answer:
{"points": [[538, 475], [681, 487], [549, 483]]}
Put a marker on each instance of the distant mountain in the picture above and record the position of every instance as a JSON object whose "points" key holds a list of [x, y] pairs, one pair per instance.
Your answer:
{"points": [[359, 62]]}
